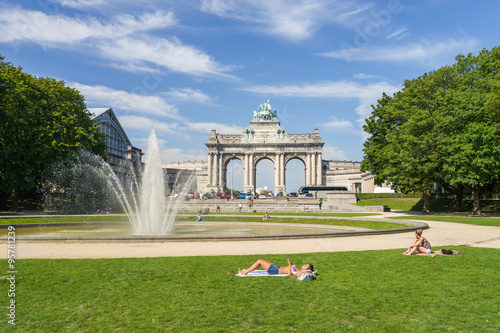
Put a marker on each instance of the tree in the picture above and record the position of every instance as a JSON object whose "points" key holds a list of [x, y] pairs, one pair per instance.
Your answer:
{"points": [[440, 128], [43, 122], [471, 145], [404, 145]]}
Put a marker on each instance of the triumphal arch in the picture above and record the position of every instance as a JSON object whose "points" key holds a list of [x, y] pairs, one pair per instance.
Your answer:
{"points": [[263, 139]]}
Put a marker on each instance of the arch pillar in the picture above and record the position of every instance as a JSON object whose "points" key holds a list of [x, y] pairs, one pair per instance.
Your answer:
{"points": [[319, 173], [209, 171]]}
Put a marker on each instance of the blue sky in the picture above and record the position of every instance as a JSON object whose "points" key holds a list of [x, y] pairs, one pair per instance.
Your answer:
{"points": [[186, 67]]}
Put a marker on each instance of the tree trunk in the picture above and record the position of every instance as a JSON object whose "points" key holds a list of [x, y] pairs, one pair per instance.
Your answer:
{"points": [[458, 195], [14, 201], [477, 201], [427, 202]]}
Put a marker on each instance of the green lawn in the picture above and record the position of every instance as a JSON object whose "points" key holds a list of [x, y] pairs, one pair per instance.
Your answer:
{"points": [[488, 221], [65, 219], [287, 214], [370, 291], [393, 203], [350, 223], [215, 217]]}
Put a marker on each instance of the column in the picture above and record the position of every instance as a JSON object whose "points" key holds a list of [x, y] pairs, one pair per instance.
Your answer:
{"points": [[313, 169], [319, 173], [308, 169], [245, 173], [221, 173], [215, 171], [209, 171], [282, 169], [277, 170], [252, 173]]}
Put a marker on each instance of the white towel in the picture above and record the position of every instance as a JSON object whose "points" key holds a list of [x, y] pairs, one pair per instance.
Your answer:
{"points": [[260, 272]]}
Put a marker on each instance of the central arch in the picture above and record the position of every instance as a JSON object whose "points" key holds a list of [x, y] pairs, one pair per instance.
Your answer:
{"points": [[264, 173], [264, 139]]}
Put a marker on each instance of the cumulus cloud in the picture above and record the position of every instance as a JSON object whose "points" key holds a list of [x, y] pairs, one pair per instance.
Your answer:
{"points": [[207, 127], [19, 24], [294, 20], [333, 153], [124, 39], [105, 96], [338, 125], [424, 51], [367, 94], [189, 94]]}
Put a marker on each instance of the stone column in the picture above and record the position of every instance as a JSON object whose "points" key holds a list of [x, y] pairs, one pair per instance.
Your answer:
{"points": [[252, 173], [308, 170], [277, 170], [209, 171], [319, 173], [313, 169], [221, 174], [245, 173], [215, 170], [282, 170]]}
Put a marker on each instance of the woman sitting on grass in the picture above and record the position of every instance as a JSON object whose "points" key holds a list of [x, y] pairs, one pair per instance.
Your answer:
{"points": [[421, 244], [273, 269]]}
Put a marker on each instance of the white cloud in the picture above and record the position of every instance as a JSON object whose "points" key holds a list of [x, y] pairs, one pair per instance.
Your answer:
{"points": [[19, 24], [176, 154], [294, 20], [143, 123], [338, 125], [189, 94], [122, 39], [207, 127], [333, 153], [105, 96], [367, 94], [169, 54], [424, 51], [363, 76]]}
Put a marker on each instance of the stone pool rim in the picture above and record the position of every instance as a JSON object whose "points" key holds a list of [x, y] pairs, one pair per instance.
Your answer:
{"points": [[412, 226]]}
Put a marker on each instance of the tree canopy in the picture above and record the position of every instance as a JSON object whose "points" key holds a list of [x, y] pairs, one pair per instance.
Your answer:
{"points": [[42, 121], [442, 127]]}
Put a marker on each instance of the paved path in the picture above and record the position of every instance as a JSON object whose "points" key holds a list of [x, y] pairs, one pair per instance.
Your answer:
{"points": [[440, 234]]}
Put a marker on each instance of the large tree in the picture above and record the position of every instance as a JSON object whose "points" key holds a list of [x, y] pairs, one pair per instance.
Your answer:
{"points": [[471, 140], [43, 121], [440, 128]]}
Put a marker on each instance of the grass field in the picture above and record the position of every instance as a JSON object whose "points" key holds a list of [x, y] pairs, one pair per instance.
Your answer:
{"points": [[488, 221], [370, 291], [219, 218]]}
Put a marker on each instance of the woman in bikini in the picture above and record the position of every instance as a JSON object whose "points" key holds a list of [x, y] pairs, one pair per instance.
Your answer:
{"points": [[273, 269], [421, 244]]}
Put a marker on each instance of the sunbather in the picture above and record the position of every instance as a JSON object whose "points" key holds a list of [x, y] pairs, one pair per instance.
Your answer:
{"points": [[273, 269], [420, 244]]}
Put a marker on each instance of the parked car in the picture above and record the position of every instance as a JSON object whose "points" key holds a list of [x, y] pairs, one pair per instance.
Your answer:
{"points": [[309, 195], [293, 195], [243, 195], [207, 196], [250, 196]]}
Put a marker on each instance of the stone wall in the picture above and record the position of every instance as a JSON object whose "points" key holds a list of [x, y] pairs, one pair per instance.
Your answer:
{"points": [[271, 205]]}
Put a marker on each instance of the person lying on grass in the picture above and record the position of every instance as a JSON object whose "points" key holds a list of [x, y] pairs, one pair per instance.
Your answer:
{"points": [[273, 269], [421, 244]]}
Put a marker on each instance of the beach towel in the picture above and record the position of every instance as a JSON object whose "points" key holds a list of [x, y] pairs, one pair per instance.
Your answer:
{"points": [[260, 272]]}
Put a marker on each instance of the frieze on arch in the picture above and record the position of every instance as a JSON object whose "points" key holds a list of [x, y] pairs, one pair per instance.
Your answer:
{"points": [[264, 138]]}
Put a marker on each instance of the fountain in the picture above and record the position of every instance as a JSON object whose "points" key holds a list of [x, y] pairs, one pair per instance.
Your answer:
{"points": [[147, 210], [142, 197]]}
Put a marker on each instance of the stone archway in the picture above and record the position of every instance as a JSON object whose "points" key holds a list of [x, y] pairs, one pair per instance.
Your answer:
{"points": [[263, 139]]}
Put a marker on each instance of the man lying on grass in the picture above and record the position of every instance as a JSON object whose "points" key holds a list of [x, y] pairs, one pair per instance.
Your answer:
{"points": [[273, 269]]}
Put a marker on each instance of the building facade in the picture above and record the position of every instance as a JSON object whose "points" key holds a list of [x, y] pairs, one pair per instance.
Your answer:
{"points": [[121, 154], [265, 139]]}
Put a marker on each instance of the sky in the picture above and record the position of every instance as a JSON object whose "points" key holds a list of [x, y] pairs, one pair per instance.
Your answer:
{"points": [[184, 68]]}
